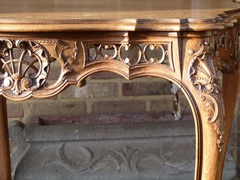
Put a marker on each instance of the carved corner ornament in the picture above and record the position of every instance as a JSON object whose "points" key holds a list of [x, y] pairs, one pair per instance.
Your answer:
{"points": [[202, 75]]}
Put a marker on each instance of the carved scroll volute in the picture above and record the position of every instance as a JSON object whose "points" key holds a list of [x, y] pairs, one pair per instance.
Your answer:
{"points": [[203, 76], [227, 49]]}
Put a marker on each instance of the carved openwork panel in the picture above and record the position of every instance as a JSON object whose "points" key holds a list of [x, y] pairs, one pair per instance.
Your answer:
{"points": [[132, 54], [203, 76], [227, 49], [25, 65]]}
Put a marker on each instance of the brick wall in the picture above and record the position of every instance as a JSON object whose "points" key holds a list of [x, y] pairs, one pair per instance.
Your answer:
{"points": [[108, 93], [104, 93]]}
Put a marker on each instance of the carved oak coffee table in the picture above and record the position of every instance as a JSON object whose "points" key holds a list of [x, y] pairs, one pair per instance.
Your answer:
{"points": [[195, 40]]}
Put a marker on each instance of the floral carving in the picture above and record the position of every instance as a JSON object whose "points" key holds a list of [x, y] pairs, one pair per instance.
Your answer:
{"points": [[25, 66], [88, 162], [202, 74]]}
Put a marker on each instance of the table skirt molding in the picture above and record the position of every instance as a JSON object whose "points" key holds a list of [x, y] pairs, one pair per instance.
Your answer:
{"points": [[26, 60]]}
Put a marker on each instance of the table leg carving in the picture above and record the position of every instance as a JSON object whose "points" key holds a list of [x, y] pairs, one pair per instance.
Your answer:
{"points": [[5, 170], [208, 155], [227, 49], [209, 123], [203, 90]]}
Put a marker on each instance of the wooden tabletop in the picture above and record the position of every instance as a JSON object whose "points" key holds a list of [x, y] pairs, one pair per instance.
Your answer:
{"points": [[129, 15]]}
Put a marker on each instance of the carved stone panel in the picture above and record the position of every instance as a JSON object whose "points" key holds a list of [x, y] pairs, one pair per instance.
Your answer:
{"points": [[101, 152], [143, 151]]}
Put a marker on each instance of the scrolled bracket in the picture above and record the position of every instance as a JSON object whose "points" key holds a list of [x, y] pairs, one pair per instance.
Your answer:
{"points": [[202, 75]]}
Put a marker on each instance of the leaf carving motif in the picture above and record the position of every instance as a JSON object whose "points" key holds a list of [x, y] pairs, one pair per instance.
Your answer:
{"points": [[123, 159]]}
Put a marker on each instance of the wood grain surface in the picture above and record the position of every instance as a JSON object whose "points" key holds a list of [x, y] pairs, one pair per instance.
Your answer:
{"points": [[129, 15]]}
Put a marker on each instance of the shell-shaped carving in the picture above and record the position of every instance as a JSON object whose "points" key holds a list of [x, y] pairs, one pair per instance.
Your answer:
{"points": [[203, 76], [25, 66]]}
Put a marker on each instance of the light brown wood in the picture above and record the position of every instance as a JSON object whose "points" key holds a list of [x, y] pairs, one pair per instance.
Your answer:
{"points": [[118, 15], [5, 170], [230, 93], [194, 37]]}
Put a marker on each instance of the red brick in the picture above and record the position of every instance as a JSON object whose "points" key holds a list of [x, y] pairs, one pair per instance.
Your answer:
{"points": [[14, 110], [105, 75], [146, 88], [101, 118], [128, 106], [91, 91]]}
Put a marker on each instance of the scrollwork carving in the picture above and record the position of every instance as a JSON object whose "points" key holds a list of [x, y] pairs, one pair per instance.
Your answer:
{"points": [[203, 76], [25, 66], [70, 55], [131, 54]]}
